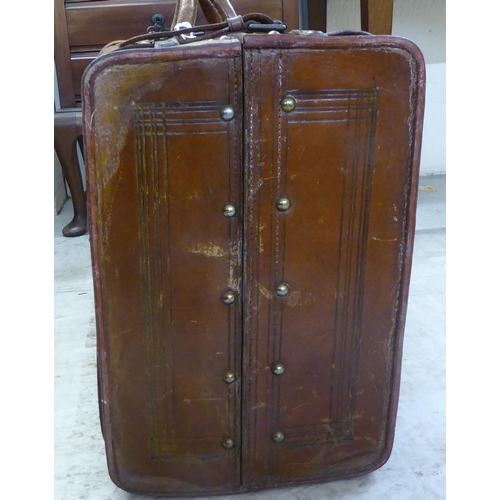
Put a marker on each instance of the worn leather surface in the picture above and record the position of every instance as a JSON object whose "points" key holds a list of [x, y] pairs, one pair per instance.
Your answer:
{"points": [[345, 159], [162, 164], [214, 11], [185, 12]]}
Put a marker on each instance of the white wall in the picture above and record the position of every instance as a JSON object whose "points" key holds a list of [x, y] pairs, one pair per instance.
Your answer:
{"points": [[433, 159], [423, 22]]}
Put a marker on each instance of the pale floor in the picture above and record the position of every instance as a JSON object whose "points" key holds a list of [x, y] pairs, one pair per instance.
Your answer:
{"points": [[416, 469]]}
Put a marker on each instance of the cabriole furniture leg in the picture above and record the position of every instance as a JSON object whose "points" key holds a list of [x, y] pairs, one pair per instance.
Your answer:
{"points": [[67, 132]]}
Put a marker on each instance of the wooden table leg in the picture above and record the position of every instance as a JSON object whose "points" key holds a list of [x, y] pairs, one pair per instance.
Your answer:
{"points": [[316, 10], [67, 133], [376, 16]]}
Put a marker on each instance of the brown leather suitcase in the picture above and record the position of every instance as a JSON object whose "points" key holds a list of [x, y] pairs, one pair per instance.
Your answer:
{"points": [[252, 205]]}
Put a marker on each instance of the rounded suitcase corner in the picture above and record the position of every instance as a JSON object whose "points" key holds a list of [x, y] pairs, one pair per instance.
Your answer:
{"points": [[382, 456]]}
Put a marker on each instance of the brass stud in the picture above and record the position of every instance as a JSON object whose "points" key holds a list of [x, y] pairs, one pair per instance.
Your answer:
{"points": [[278, 437], [227, 113], [282, 289], [283, 204], [229, 210], [229, 377], [288, 104], [228, 297], [278, 368], [227, 443]]}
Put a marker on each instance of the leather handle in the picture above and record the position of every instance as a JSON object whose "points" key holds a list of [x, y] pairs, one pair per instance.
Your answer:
{"points": [[219, 13], [216, 11], [185, 12]]}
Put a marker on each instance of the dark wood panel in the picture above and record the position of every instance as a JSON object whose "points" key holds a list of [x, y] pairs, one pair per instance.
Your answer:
{"points": [[98, 23], [101, 22], [316, 13], [61, 56], [91, 24], [79, 63]]}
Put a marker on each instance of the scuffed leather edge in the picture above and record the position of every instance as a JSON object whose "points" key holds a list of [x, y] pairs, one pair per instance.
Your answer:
{"points": [[417, 68], [138, 56], [98, 68], [416, 58]]}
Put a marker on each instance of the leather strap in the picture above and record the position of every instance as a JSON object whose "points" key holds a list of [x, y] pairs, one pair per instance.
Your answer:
{"points": [[208, 30], [219, 13]]}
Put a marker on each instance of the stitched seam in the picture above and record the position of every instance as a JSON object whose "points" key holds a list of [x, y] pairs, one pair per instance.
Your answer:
{"points": [[249, 273], [277, 236]]}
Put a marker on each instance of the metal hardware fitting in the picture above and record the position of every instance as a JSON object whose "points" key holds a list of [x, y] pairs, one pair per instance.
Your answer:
{"points": [[278, 26], [182, 26], [168, 42], [227, 113], [228, 297], [229, 377], [278, 368], [282, 289], [229, 210], [283, 204], [288, 104], [158, 19], [227, 443], [278, 437]]}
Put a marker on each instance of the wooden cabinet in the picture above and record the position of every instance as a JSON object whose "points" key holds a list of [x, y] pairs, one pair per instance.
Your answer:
{"points": [[86, 26], [82, 28]]}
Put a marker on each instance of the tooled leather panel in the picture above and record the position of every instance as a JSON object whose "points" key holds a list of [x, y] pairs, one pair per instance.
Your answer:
{"points": [[159, 129], [340, 248], [163, 254]]}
